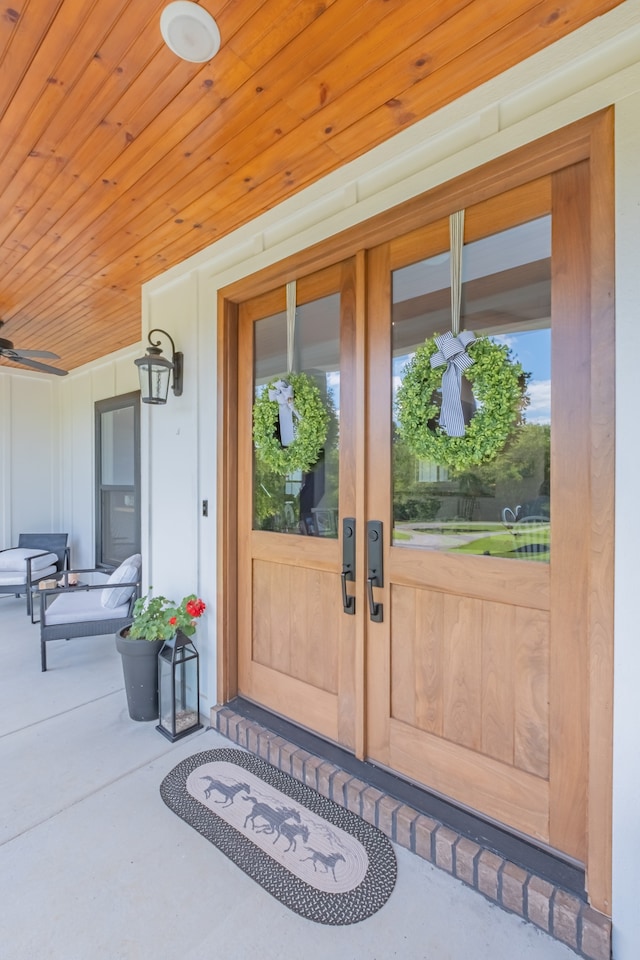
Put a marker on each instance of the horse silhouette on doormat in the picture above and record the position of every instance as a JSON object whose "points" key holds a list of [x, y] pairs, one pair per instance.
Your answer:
{"points": [[291, 831], [228, 790], [274, 817], [328, 860]]}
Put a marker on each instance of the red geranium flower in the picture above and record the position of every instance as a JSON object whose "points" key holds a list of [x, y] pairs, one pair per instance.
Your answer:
{"points": [[195, 608]]}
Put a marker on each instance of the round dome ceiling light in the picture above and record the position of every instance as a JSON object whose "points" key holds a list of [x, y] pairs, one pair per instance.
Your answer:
{"points": [[189, 31]]}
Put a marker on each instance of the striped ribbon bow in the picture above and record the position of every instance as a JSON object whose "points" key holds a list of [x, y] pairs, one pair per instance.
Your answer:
{"points": [[282, 392], [452, 351]]}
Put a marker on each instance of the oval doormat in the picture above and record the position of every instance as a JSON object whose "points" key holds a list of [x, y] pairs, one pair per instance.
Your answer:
{"points": [[320, 860]]}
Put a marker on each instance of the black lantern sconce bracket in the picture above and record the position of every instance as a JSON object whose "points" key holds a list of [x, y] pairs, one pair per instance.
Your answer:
{"points": [[177, 358]]}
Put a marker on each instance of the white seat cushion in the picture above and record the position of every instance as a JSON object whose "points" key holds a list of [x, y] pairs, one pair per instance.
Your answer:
{"points": [[10, 577], [76, 606], [16, 559], [127, 572]]}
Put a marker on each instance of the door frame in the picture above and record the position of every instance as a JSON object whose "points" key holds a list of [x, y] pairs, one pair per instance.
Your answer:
{"points": [[589, 139]]}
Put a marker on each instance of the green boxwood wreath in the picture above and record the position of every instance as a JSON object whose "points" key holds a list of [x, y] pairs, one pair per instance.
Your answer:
{"points": [[498, 384], [310, 430]]}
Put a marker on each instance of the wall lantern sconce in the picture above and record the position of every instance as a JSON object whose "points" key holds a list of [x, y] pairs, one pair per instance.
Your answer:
{"points": [[154, 371]]}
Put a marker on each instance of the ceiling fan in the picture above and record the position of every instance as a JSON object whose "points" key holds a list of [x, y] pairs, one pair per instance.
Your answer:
{"points": [[26, 357]]}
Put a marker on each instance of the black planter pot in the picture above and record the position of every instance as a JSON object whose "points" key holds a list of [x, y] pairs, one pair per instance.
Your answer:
{"points": [[140, 668]]}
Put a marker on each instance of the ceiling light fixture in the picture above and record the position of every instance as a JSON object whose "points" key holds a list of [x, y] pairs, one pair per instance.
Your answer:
{"points": [[189, 31]]}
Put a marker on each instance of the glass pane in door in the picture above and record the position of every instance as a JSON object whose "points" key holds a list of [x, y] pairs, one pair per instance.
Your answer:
{"points": [[120, 536], [502, 507], [118, 479], [117, 450], [301, 503]]}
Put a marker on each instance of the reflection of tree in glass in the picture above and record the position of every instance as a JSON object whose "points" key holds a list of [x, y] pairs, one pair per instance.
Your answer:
{"points": [[524, 452], [412, 498], [519, 474], [268, 496]]}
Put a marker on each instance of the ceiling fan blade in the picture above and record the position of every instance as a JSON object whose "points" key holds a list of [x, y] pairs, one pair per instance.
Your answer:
{"points": [[16, 358], [42, 354]]}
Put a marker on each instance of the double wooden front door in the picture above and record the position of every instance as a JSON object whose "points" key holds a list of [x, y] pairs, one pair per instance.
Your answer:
{"points": [[466, 670]]}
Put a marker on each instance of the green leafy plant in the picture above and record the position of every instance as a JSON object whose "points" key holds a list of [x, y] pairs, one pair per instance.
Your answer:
{"points": [[498, 384], [156, 618], [310, 430]]}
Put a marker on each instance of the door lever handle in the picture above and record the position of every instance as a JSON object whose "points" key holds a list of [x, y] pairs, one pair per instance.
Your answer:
{"points": [[374, 563], [375, 609], [348, 563], [348, 603]]}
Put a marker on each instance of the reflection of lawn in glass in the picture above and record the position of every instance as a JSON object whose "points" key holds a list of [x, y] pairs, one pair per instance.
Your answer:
{"points": [[530, 545], [528, 542], [401, 535], [459, 528]]}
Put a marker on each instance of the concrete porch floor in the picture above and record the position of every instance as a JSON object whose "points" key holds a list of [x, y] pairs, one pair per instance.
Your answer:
{"points": [[94, 865]]}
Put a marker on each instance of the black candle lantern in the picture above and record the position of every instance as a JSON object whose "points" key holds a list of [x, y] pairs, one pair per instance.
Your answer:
{"points": [[178, 687]]}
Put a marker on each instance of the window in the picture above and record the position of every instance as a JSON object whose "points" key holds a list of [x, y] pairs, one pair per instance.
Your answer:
{"points": [[117, 479], [431, 472]]}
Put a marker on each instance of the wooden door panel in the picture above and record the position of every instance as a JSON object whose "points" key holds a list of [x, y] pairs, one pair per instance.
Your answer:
{"points": [[314, 552], [296, 627], [416, 674], [462, 673], [531, 691], [515, 686], [300, 658], [486, 578], [473, 673], [498, 693], [285, 695], [498, 790]]}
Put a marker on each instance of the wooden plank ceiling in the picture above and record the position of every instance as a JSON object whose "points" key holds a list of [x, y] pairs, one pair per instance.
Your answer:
{"points": [[119, 160]]}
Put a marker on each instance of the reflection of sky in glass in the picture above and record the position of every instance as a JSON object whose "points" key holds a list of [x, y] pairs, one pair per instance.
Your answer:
{"points": [[533, 349], [333, 389]]}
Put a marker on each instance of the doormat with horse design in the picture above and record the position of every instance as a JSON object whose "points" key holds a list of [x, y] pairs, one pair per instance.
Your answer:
{"points": [[320, 860]]}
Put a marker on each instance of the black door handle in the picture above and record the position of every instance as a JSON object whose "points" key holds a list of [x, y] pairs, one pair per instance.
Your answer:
{"points": [[375, 609], [348, 562], [348, 603], [375, 576]]}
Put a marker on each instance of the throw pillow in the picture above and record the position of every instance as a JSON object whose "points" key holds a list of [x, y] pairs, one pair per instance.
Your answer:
{"points": [[127, 572]]}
